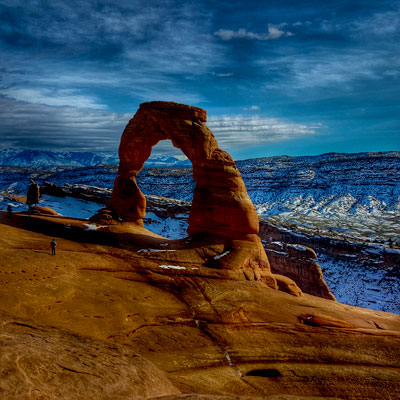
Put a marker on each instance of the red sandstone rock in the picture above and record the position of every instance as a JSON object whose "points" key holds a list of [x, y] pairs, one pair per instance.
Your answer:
{"points": [[287, 285], [221, 211], [44, 211], [221, 205], [299, 263], [33, 195], [324, 320]]}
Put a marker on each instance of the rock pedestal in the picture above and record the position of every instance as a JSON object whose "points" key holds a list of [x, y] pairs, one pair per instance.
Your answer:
{"points": [[33, 196]]}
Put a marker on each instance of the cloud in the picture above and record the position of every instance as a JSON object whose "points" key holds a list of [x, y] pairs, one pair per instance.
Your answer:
{"points": [[242, 131], [223, 74], [52, 97], [379, 25], [251, 108], [125, 45], [162, 36], [274, 32], [41, 126], [339, 69], [334, 69]]}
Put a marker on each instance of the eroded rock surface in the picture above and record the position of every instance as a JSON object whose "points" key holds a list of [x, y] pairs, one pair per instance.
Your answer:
{"points": [[40, 363], [208, 333]]}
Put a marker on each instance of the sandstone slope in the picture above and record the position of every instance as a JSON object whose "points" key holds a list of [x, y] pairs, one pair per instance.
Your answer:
{"points": [[210, 334]]}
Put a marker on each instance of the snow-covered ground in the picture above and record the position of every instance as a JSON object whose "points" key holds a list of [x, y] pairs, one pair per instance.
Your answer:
{"points": [[361, 284], [171, 228], [67, 206]]}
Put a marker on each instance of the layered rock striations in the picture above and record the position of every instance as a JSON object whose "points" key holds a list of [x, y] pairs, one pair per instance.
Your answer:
{"points": [[298, 263]]}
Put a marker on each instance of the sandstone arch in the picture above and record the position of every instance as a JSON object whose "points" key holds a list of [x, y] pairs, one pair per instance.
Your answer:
{"points": [[221, 205]]}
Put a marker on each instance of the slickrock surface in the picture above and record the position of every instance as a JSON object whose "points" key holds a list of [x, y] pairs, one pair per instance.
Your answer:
{"points": [[46, 363], [197, 329]]}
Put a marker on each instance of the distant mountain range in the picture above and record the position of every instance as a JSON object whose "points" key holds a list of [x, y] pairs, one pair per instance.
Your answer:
{"points": [[44, 158]]}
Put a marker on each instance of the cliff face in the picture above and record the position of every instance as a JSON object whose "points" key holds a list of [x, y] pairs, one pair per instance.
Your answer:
{"points": [[298, 263], [133, 323]]}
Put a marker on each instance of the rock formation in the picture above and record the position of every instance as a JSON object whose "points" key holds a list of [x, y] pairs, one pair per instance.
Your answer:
{"points": [[298, 263], [221, 205], [33, 195], [221, 211], [102, 322]]}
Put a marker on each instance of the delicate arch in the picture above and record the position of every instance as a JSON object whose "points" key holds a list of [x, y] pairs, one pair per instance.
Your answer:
{"points": [[221, 205]]}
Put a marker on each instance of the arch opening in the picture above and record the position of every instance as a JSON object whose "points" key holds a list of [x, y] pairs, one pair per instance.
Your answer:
{"points": [[167, 182]]}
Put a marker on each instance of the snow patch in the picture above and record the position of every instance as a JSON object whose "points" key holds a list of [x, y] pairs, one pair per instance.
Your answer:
{"points": [[222, 255], [145, 250], [298, 247], [172, 267], [93, 227]]}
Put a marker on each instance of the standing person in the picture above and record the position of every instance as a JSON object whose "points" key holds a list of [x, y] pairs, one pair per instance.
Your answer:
{"points": [[53, 245], [9, 209]]}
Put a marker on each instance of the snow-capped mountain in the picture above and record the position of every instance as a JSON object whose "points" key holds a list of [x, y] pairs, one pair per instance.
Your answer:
{"points": [[45, 158]]}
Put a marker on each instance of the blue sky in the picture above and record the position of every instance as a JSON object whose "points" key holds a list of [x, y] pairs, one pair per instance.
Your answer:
{"points": [[276, 77]]}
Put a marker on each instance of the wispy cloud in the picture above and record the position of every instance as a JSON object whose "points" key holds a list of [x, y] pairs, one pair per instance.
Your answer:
{"points": [[232, 132], [274, 32], [53, 97], [379, 25], [69, 128], [139, 47], [341, 69], [44, 126], [252, 108]]}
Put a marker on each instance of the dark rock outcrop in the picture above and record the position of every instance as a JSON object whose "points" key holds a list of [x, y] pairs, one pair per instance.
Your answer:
{"points": [[33, 196]]}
